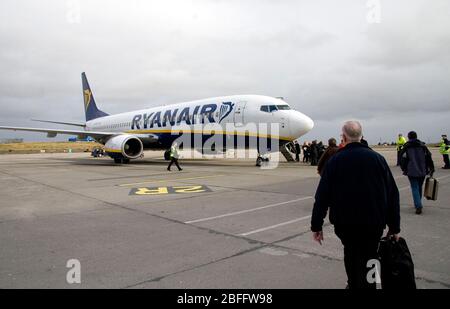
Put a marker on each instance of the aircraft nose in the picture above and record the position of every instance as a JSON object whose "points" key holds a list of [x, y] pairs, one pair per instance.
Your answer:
{"points": [[300, 124], [309, 123]]}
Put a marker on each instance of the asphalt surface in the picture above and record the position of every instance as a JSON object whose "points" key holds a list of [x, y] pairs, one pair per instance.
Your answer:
{"points": [[216, 224]]}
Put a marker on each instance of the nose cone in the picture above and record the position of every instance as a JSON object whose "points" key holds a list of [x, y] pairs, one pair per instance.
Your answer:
{"points": [[309, 123], [300, 124]]}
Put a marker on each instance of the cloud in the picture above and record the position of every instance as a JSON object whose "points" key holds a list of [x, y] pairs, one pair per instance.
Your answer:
{"points": [[322, 56]]}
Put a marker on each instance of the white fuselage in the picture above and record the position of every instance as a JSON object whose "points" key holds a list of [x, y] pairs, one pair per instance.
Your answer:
{"points": [[240, 114]]}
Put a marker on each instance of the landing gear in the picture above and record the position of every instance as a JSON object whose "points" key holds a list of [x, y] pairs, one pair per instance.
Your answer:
{"points": [[261, 159], [120, 161], [117, 161]]}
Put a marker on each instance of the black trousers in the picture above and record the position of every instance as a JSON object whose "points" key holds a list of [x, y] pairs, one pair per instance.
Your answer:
{"points": [[314, 160], [360, 246], [446, 161], [297, 157], [172, 161], [398, 158]]}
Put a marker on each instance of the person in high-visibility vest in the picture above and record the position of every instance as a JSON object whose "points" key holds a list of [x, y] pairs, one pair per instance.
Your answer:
{"points": [[400, 142], [174, 157], [444, 149]]}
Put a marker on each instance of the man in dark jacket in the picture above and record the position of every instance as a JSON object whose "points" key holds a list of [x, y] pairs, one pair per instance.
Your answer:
{"points": [[314, 153], [416, 163], [331, 150], [297, 151], [358, 188]]}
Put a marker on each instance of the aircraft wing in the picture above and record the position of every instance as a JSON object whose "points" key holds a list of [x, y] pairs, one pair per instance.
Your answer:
{"points": [[54, 132], [80, 133]]}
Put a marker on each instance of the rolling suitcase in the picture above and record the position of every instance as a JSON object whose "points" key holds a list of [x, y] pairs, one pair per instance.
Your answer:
{"points": [[431, 188]]}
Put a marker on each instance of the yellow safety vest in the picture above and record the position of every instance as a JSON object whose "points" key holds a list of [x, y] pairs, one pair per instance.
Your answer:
{"points": [[442, 147], [400, 142]]}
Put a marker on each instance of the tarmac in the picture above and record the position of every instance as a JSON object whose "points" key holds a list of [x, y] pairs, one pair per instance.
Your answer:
{"points": [[216, 224]]}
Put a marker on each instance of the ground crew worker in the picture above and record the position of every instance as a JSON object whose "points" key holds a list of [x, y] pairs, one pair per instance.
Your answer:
{"points": [[444, 149], [174, 157], [400, 142]]}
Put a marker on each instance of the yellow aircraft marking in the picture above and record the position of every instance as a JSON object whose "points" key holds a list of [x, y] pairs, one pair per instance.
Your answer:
{"points": [[167, 180]]}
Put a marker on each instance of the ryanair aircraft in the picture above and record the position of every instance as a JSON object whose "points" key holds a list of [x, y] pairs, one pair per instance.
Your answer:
{"points": [[239, 121]]}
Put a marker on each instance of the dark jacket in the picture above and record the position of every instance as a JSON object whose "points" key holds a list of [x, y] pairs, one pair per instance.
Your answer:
{"points": [[416, 159], [297, 148], [325, 157], [358, 187]]}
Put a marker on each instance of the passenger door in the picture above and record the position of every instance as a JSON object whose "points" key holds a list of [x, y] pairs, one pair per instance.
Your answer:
{"points": [[239, 113]]}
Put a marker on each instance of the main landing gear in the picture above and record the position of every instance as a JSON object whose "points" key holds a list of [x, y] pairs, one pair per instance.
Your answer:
{"points": [[261, 159]]}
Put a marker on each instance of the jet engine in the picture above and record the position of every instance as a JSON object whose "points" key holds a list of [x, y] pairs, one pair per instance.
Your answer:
{"points": [[124, 147]]}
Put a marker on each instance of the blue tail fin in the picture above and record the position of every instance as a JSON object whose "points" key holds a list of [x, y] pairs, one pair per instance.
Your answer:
{"points": [[90, 108]]}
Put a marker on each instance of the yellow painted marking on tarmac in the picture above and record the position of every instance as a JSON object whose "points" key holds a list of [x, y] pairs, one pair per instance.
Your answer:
{"points": [[146, 191], [167, 180], [189, 189]]}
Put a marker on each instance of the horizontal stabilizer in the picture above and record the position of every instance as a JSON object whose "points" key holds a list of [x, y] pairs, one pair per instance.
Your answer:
{"points": [[78, 124]]}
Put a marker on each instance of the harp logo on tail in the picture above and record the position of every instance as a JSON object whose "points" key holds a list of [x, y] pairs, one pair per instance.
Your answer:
{"points": [[225, 110], [87, 98]]}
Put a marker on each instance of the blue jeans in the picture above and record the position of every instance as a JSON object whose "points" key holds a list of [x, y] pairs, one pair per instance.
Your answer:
{"points": [[417, 189]]}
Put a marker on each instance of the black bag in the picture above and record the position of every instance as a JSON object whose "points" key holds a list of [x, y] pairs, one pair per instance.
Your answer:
{"points": [[167, 155], [397, 267]]}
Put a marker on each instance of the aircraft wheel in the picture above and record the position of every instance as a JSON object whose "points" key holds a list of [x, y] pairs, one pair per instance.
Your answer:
{"points": [[117, 161], [125, 161], [259, 161]]}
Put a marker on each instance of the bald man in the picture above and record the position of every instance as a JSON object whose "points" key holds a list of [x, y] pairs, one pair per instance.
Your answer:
{"points": [[360, 191]]}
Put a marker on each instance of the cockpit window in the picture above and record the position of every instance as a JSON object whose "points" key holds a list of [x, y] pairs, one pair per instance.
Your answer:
{"points": [[272, 108]]}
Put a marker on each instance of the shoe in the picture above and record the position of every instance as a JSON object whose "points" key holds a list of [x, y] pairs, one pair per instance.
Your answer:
{"points": [[169, 169], [180, 169], [418, 211]]}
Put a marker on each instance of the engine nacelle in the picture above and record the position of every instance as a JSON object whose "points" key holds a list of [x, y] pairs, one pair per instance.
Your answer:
{"points": [[124, 146]]}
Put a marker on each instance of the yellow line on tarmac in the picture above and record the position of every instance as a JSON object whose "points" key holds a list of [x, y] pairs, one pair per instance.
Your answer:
{"points": [[167, 180]]}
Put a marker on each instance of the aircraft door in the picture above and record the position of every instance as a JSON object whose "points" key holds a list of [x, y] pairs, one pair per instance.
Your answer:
{"points": [[239, 113]]}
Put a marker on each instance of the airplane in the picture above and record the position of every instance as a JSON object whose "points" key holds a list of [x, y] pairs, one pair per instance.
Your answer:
{"points": [[127, 135]]}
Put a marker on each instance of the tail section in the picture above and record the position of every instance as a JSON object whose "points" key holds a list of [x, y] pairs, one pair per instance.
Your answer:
{"points": [[90, 108]]}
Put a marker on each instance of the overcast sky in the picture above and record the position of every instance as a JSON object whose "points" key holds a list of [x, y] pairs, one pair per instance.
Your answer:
{"points": [[332, 60]]}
